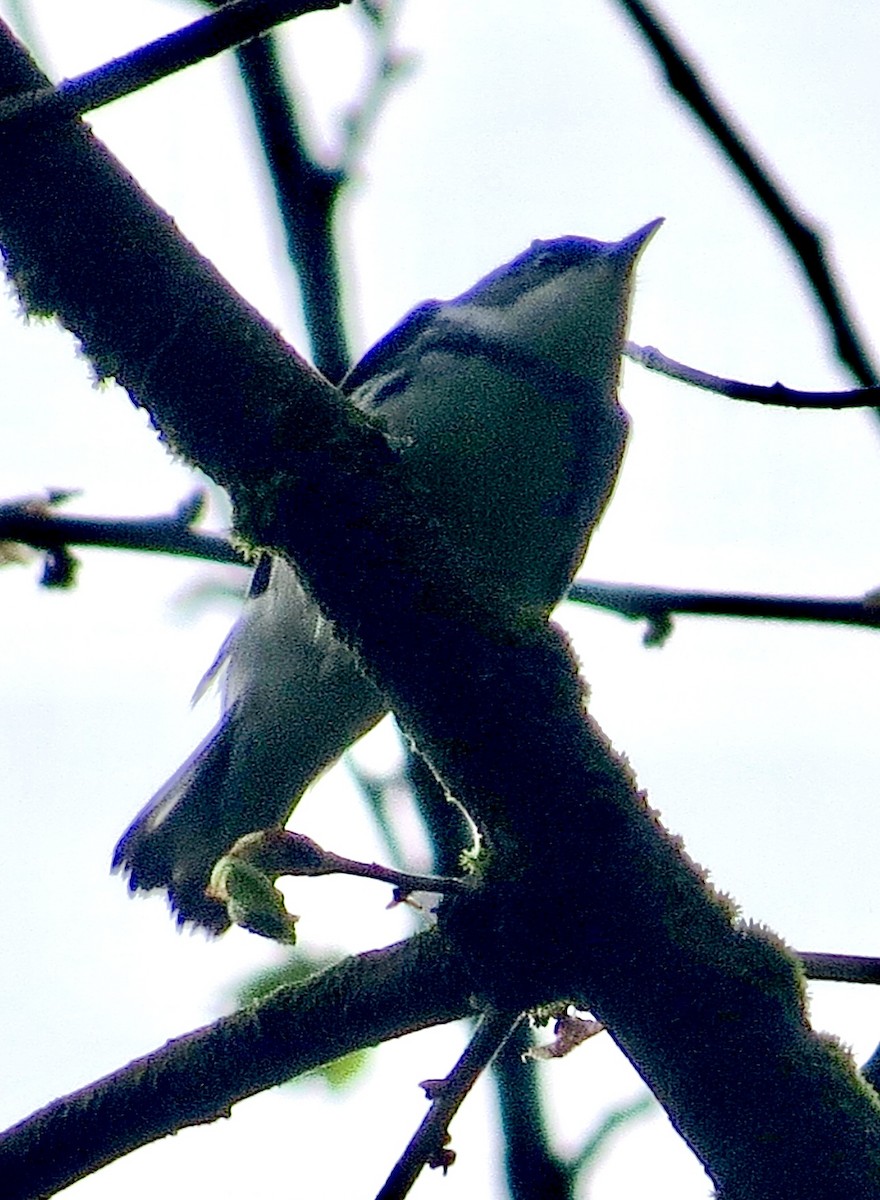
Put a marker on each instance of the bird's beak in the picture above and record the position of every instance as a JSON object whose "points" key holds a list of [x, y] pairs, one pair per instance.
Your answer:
{"points": [[631, 247]]}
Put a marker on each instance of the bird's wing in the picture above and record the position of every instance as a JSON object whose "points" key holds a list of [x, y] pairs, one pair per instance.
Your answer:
{"points": [[393, 345]]}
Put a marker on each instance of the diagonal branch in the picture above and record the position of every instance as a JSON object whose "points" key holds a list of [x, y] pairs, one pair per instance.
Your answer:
{"points": [[196, 1078], [237, 22], [428, 1146], [584, 894], [803, 239]]}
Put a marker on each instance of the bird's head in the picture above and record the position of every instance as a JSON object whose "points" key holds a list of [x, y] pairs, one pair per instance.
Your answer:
{"points": [[566, 299]]}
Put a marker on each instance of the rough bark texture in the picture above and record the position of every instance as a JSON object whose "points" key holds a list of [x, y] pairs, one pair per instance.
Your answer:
{"points": [[585, 895]]}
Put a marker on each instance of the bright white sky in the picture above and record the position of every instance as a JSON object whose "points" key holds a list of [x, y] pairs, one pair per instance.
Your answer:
{"points": [[757, 743]]}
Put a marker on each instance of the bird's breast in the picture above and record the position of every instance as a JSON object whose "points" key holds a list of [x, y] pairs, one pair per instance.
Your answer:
{"points": [[516, 465]]}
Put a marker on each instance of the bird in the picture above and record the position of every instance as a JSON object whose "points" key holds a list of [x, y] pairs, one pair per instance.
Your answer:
{"points": [[502, 405]]}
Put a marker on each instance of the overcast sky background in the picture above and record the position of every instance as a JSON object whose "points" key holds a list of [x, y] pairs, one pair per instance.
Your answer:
{"points": [[756, 741]]}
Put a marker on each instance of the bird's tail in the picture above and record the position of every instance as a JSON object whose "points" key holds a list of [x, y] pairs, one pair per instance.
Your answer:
{"points": [[294, 699], [180, 833], [243, 777]]}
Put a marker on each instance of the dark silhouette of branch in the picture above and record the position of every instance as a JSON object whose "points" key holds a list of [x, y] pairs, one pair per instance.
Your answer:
{"points": [[803, 239], [657, 605], [776, 394], [307, 191], [841, 968], [236, 22], [429, 1143], [583, 895], [306, 194], [195, 1079], [32, 523], [533, 1170]]}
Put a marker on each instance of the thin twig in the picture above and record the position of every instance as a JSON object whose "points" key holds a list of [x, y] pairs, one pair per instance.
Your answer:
{"points": [[276, 852], [609, 1125], [802, 238], [162, 535], [243, 880], [775, 394], [231, 25], [637, 601], [403, 882], [387, 67], [429, 1143]]}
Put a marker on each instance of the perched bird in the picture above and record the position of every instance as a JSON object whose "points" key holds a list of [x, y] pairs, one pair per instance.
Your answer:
{"points": [[502, 404]]}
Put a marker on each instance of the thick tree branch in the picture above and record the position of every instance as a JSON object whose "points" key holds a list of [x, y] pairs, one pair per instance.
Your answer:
{"points": [[195, 1079], [584, 894]]}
